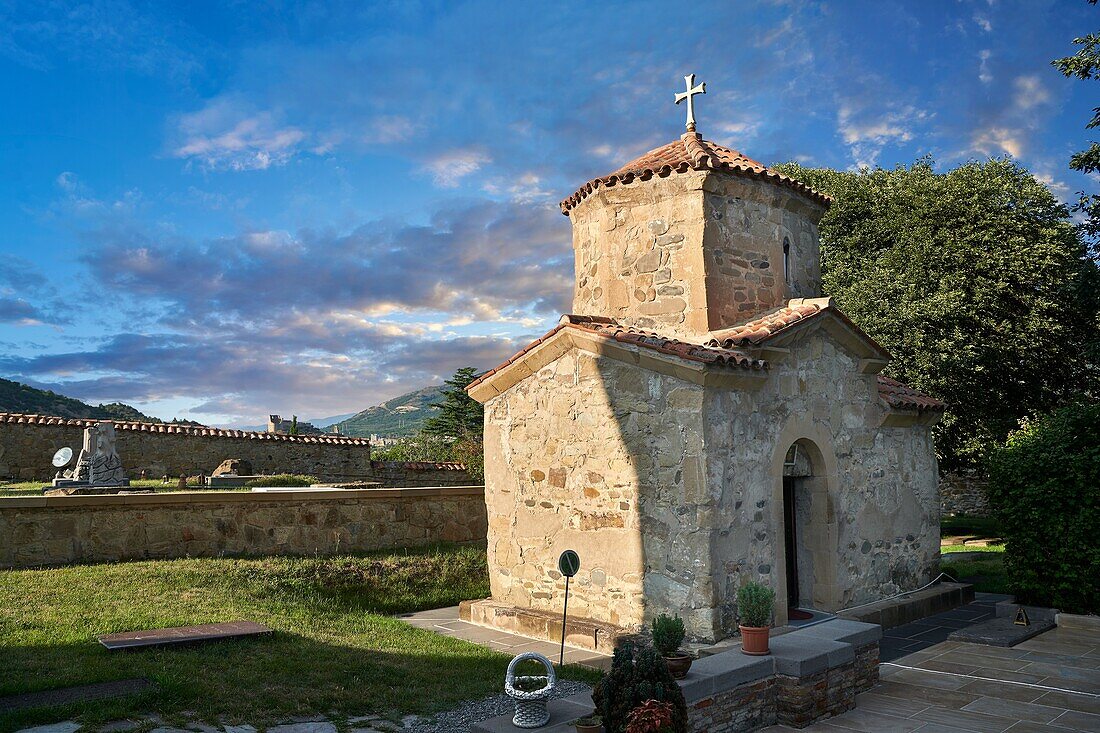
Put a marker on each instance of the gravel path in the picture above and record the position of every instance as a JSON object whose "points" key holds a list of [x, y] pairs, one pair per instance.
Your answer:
{"points": [[475, 711]]}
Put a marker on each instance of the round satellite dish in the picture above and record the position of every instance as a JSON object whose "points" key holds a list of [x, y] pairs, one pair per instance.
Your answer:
{"points": [[62, 457]]}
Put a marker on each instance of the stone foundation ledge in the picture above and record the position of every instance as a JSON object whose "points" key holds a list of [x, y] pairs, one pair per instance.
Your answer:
{"points": [[580, 632], [811, 674], [914, 606]]}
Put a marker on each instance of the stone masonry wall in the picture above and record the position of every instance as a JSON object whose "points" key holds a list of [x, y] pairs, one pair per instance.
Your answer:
{"points": [[743, 708], [59, 530], [637, 254], [693, 253], [591, 454], [401, 474], [964, 494], [747, 223], [874, 503], [26, 450]]}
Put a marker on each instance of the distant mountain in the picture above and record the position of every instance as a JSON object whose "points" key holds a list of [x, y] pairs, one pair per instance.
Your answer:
{"points": [[16, 397], [400, 416], [324, 422]]}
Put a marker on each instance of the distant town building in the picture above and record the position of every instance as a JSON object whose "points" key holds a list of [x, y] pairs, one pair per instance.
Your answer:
{"points": [[276, 424]]}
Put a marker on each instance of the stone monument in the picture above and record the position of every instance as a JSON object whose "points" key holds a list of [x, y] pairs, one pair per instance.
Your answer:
{"points": [[98, 468], [703, 418]]}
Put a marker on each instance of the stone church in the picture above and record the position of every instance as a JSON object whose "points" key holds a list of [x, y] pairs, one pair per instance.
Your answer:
{"points": [[704, 417]]}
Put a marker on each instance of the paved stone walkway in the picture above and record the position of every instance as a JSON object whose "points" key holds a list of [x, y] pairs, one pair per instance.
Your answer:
{"points": [[931, 630], [446, 621], [1049, 684]]}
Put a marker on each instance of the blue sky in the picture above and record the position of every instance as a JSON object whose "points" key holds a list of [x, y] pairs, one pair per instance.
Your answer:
{"points": [[219, 210]]}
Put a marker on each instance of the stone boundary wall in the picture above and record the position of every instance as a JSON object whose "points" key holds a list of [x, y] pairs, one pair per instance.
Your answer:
{"points": [[399, 474], [965, 494], [59, 530], [28, 442]]}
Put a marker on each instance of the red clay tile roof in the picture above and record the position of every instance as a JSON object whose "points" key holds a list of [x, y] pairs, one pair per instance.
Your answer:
{"points": [[764, 327], [611, 330], [690, 152], [797, 310], [422, 465], [901, 397], [174, 429]]}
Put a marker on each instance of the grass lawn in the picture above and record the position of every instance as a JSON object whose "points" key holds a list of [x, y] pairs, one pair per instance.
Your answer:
{"points": [[34, 488], [987, 573], [335, 652], [972, 548]]}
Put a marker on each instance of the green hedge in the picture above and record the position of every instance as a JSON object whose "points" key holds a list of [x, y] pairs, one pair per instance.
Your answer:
{"points": [[1045, 493], [281, 479]]}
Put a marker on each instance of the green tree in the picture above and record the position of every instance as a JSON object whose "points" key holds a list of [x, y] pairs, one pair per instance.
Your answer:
{"points": [[1043, 489], [460, 416], [1085, 64], [975, 280]]}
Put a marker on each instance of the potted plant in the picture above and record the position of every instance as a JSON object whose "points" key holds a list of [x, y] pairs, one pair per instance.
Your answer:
{"points": [[589, 724], [638, 673], [668, 635], [530, 691], [652, 716], [755, 603]]}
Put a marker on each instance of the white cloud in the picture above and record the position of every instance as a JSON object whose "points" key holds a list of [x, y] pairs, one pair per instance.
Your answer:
{"points": [[450, 168], [983, 22], [995, 140], [225, 136], [389, 129], [984, 74], [1030, 93], [868, 131]]}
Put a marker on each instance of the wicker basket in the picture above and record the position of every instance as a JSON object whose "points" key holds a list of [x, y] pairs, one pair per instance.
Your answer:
{"points": [[531, 709]]}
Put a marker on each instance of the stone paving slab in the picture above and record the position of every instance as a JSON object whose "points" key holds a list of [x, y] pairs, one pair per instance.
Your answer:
{"points": [[183, 635], [1002, 631], [446, 621]]}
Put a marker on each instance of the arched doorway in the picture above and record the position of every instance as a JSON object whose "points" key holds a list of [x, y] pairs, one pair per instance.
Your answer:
{"points": [[808, 527]]}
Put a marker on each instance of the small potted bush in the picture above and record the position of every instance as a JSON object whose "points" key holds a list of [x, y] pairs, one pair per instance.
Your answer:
{"points": [[755, 603], [589, 724], [637, 674], [668, 635]]}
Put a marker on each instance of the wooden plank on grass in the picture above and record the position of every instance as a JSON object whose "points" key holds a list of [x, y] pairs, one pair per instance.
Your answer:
{"points": [[183, 635]]}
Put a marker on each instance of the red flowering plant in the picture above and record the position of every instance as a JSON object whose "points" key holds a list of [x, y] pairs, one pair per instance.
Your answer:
{"points": [[652, 716]]}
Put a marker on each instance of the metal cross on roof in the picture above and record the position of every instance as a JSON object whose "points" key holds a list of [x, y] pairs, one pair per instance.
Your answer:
{"points": [[691, 92]]}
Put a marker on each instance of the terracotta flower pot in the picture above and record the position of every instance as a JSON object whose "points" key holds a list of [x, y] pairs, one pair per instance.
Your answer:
{"points": [[678, 664], [754, 640]]}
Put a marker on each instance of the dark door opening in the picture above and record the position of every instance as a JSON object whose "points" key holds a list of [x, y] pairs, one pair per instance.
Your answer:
{"points": [[790, 541]]}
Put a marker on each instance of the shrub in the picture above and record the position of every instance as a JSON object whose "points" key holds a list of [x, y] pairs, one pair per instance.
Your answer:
{"points": [[1045, 493], [282, 479], [755, 602], [638, 673], [668, 634], [652, 716]]}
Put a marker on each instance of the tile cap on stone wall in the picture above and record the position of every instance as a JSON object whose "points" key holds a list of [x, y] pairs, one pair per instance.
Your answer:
{"points": [[177, 429]]}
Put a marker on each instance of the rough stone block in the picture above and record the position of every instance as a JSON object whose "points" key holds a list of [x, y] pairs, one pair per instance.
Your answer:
{"points": [[855, 633], [801, 655], [722, 672]]}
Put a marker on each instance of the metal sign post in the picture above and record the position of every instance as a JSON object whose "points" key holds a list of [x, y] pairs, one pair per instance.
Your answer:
{"points": [[568, 564]]}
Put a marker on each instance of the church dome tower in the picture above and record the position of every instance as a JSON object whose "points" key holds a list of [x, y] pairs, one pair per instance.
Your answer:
{"points": [[693, 238]]}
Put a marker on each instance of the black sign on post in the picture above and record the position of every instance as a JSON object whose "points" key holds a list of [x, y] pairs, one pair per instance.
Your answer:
{"points": [[568, 564]]}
